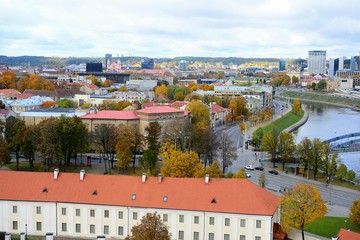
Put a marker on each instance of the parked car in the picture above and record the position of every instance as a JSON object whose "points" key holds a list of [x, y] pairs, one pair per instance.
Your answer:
{"points": [[259, 168], [248, 175], [273, 172], [249, 167]]}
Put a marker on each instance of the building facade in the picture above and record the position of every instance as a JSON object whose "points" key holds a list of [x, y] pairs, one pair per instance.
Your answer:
{"points": [[317, 62], [193, 208]]}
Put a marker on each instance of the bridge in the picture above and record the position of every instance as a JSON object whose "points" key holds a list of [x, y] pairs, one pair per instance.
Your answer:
{"points": [[345, 143]]}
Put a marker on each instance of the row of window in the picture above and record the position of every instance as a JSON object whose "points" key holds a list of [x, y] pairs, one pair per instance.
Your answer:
{"points": [[15, 226], [92, 229], [196, 236]]}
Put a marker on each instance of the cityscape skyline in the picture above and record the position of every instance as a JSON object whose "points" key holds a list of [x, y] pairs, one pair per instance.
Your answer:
{"points": [[266, 28]]}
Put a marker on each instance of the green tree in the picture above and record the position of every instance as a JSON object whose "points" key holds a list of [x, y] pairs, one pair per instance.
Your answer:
{"points": [[321, 85], [14, 136], [316, 155], [149, 160], [329, 162], [29, 146], [151, 227], [301, 205], [270, 143], [355, 211], [294, 80], [257, 136], [4, 151], [66, 103], [286, 147], [350, 175], [341, 171], [304, 150]]}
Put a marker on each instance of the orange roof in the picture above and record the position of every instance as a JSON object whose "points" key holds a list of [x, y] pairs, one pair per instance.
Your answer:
{"points": [[238, 196], [159, 109], [348, 235], [217, 108], [9, 91], [112, 114]]}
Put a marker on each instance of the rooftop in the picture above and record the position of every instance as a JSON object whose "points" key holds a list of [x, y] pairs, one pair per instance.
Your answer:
{"points": [[112, 114], [239, 196], [159, 109]]}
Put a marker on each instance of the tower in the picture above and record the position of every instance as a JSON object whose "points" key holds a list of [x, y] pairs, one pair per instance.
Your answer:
{"points": [[108, 58], [317, 62]]}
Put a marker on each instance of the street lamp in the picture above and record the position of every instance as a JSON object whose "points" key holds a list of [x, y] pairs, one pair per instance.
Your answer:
{"points": [[26, 231]]}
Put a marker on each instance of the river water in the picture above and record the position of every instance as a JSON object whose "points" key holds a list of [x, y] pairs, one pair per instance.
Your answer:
{"points": [[327, 122]]}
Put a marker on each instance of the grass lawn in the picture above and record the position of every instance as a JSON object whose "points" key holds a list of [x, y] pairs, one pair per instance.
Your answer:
{"points": [[25, 166], [284, 122], [330, 226]]}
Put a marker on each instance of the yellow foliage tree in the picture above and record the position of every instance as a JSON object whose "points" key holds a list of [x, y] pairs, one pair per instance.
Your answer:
{"points": [[213, 170], [161, 90], [301, 205], [8, 80], [355, 211], [240, 174], [296, 106], [123, 147], [199, 111], [123, 89], [180, 164]]}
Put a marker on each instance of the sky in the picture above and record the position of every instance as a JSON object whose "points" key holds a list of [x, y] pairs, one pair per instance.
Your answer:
{"points": [[171, 28]]}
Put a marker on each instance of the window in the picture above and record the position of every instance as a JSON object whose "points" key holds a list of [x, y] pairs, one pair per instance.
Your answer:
{"points": [[226, 236], [15, 225], [38, 226], [181, 218], [227, 222], [257, 238], [211, 220], [77, 212], [38, 210], [258, 223], [211, 236], [77, 228], [242, 237], [196, 235], [63, 211], [106, 213], [63, 227], [92, 212], [135, 216], [133, 197], [120, 215], [196, 219], [181, 235], [165, 217], [106, 229], [14, 209], [92, 228], [120, 231], [242, 223]]}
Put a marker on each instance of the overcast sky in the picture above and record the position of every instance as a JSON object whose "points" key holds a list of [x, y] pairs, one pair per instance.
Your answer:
{"points": [[170, 28]]}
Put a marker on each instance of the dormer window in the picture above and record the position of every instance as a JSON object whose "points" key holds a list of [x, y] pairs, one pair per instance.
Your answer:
{"points": [[45, 190], [213, 200]]}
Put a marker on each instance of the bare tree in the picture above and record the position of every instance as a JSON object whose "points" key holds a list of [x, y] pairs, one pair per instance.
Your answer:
{"points": [[227, 151]]}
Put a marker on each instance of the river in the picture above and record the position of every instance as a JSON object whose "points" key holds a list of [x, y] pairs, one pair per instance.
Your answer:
{"points": [[326, 122]]}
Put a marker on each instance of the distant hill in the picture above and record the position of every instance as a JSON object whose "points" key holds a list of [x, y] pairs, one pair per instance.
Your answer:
{"points": [[62, 62]]}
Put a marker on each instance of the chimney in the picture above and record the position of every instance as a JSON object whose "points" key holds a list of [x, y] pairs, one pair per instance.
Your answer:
{"points": [[56, 173], [159, 178], [207, 178], [143, 177], [82, 174]]}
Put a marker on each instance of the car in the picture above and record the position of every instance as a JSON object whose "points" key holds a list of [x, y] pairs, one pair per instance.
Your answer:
{"points": [[273, 172], [249, 167], [259, 168], [248, 175]]}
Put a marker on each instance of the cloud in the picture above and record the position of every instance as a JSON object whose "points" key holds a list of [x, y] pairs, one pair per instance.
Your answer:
{"points": [[162, 28]]}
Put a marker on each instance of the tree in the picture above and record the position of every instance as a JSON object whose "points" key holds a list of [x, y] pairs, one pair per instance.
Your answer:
{"points": [[296, 108], [294, 80], [238, 106], [316, 155], [151, 227], [148, 161], [262, 180], [355, 211], [257, 136], [240, 174], [4, 151], [200, 113], [214, 170], [7, 80], [350, 175], [66, 103], [322, 85], [329, 162], [161, 90], [303, 149], [341, 171], [180, 164], [228, 152], [286, 147], [29, 146], [49, 104], [14, 136], [123, 89], [124, 146], [301, 205], [269, 144]]}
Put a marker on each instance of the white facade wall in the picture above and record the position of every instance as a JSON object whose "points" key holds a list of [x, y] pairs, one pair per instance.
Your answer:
{"points": [[317, 62], [54, 215]]}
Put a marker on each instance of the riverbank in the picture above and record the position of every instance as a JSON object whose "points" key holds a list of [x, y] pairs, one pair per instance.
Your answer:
{"points": [[323, 98]]}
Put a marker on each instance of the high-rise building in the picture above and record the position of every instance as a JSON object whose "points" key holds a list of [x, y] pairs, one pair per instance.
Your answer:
{"points": [[108, 58], [282, 64], [93, 67], [147, 63], [182, 65], [333, 66], [317, 62], [353, 63]]}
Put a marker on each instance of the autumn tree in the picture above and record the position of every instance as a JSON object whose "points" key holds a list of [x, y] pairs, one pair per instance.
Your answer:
{"points": [[180, 164], [7, 80], [66, 103], [286, 147], [124, 146], [213, 171], [123, 89], [240, 174], [238, 106], [161, 90], [270, 143], [151, 227], [14, 136], [355, 211], [227, 151], [49, 104], [301, 205], [107, 83], [296, 108], [36, 82], [329, 162], [316, 156], [303, 150], [200, 113]]}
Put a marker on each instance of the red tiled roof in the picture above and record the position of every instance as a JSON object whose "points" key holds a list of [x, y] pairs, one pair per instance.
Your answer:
{"points": [[217, 108], [148, 104], [348, 235], [112, 114], [9, 91], [23, 95], [231, 195], [159, 109], [4, 112]]}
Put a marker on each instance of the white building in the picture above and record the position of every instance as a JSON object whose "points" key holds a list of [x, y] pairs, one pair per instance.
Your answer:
{"points": [[317, 62], [73, 205]]}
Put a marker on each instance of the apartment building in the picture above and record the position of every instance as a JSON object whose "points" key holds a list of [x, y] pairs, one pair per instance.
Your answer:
{"points": [[85, 206]]}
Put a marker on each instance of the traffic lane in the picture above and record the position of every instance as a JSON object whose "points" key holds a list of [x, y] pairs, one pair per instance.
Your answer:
{"points": [[330, 194]]}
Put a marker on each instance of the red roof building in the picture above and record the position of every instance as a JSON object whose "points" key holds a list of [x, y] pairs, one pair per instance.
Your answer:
{"points": [[345, 234]]}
